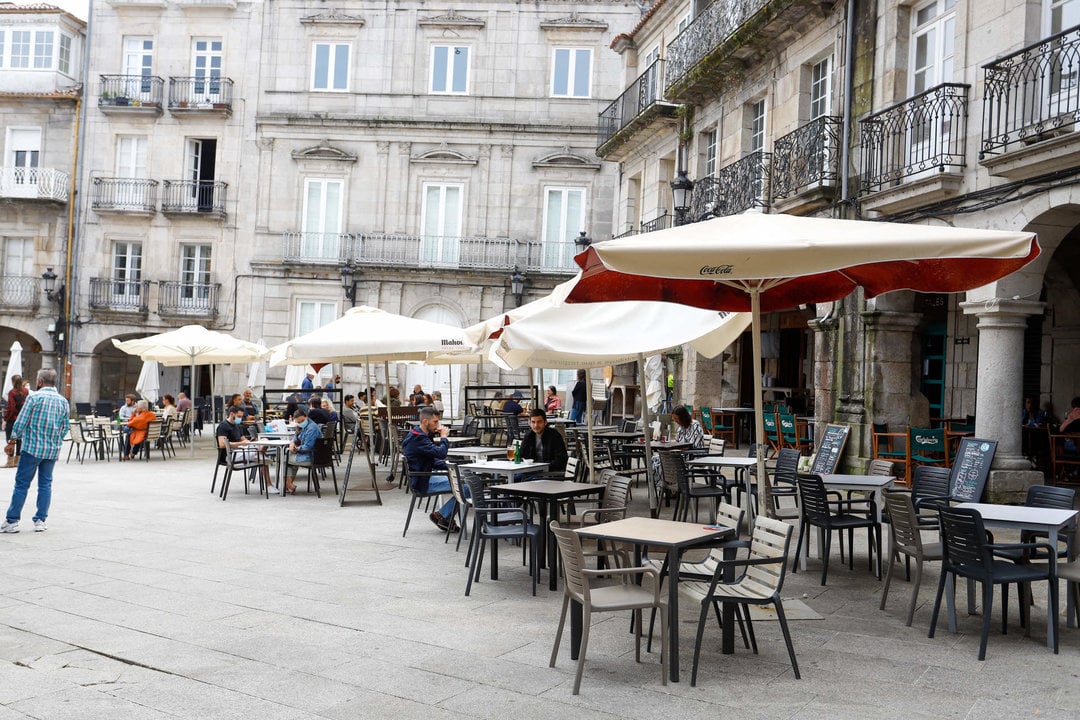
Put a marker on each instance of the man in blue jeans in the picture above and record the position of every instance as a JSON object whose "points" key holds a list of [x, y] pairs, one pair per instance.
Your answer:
{"points": [[425, 450], [41, 426]]}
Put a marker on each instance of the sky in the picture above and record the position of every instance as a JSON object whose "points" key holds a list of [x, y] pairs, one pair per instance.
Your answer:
{"points": [[78, 8]]}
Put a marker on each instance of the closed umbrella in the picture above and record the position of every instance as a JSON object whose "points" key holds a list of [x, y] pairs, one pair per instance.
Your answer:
{"points": [[766, 262], [257, 372], [14, 367], [149, 383]]}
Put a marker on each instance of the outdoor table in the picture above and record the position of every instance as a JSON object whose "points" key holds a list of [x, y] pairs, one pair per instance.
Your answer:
{"points": [[740, 464], [619, 435], [669, 445], [548, 493], [859, 483], [461, 439], [1016, 517], [269, 442], [506, 468], [744, 417], [476, 453], [675, 537]]}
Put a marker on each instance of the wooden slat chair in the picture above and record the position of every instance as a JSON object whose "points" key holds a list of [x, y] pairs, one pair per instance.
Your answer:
{"points": [[891, 446], [926, 447], [772, 432], [1065, 457], [792, 436], [81, 442], [723, 425]]}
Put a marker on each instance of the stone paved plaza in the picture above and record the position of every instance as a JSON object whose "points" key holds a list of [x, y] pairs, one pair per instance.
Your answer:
{"points": [[150, 598]]}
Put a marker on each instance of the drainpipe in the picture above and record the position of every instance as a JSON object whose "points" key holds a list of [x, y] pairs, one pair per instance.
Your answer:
{"points": [[849, 91], [74, 212]]}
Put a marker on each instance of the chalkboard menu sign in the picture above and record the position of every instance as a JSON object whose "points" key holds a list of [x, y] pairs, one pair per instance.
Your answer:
{"points": [[971, 468], [830, 449]]}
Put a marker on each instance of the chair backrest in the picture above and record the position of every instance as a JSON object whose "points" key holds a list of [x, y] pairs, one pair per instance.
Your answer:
{"points": [[769, 540], [706, 419], [577, 587], [573, 469], [1046, 496], [927, 443], [76, 429], [904, 521], [616, 495], [963, 542], [771, 428], [674, 469], [458, 479], [153, 430], [730, 515], [322, 455], [787, 465], [815, 504], [930, 481], [884, 468], [787, 428], [717, 446], [222, 450], [881, 427]]}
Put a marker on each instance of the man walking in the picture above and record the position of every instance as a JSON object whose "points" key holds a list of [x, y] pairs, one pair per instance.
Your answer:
{"points": [[41, 426]]}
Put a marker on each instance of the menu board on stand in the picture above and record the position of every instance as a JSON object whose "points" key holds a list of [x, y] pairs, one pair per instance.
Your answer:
{"points": [[830, 449], [971, 468]]}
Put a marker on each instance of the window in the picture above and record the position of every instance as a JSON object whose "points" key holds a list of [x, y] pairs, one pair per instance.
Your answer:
{"points": [[820, 89], [933, 30], [20, 48], [17, 260], [684, 22], [131, 170], [138, 68], [571, 71], [450, 69], [757, 126], [65, 54], [564, 218], [194, 277], [322, 217], [206, 69], [312, 315], [441, 223], [43, 49], [2, 47], [126, 271], [1062, 14], [708, 143], [330, 66]]}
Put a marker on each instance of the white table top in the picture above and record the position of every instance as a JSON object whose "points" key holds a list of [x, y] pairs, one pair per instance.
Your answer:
{"points": [[505, 466], [723, 461], [1019, 515], [477, 450], [857, 481], [271, 442]]}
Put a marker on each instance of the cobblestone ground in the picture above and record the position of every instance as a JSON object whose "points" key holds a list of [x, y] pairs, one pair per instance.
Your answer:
{"points": [[148, 597]]}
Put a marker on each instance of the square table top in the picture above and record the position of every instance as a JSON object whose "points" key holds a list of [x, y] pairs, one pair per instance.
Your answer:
{"points": [[461, 439], [654, 531], [619, 434], [723, 461], [669, 445], [1020, 515], [857, 481], [478, 450], [549, 488], [507, 466]]}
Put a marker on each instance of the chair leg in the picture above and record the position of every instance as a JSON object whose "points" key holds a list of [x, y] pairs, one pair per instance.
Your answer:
{"points": [[559, 632], [1005, 605], [586, 621], [915, 591], [798, 547], [888, 577], [988, 604], [749, 627], [937, 603], [825, 559], [1053, 599], [787, 635], [702, 619], [408, 518], [663, 645], [474, 572]]}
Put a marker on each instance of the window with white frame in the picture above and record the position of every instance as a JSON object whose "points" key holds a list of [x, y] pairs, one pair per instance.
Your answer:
{"points": [[1060, 15], [571, 72], [206, 57], [20, 49], [312, 315], [564, 218], [17, 261], [3, 48], [138, 67], [708, 153], [1063, 74], [330, 66], [820, 88], [684, 22], [449, 69], [195, 276], [441, 222], [131, 156], [933, 34], [756, 125], [43, 49], [64, 59], [126, 270], [323, 206]]}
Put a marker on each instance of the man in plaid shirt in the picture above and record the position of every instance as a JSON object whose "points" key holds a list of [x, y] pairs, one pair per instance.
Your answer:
{"points": [[41, 426]]}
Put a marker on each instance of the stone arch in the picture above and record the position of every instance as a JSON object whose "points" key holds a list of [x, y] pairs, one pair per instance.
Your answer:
{"points": [[33, 357]]}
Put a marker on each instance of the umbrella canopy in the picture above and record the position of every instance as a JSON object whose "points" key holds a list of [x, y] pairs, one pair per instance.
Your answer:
{"points": [[195, 345], [773, 262], [365, 334], [14, 367], [149, 383]]}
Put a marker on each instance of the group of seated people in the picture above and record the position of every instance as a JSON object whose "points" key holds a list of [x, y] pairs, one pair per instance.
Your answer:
{"points": [[301, 448]]}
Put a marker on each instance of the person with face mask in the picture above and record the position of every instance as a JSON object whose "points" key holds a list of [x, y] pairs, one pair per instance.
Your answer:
{"points": [[302, 447], [232, 429], [137, 426]]}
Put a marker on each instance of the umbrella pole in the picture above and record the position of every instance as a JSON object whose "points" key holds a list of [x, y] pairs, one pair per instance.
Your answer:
{"points": [[371, 424], [654, 501], [759, 412], [589, 418], [390, 429], [191, 399]]}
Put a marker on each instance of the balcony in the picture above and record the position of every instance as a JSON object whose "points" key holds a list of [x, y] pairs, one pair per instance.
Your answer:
{"points": [[129, 196], [913, 151], [31, 183], [203, 198], [122, 296], [660, 222], [806, 165], [200, 95], [131, 94], [725, 37], [637, 108], [740, 186], [19, 293], [428, 252], [1031, 104], [183, 299]]}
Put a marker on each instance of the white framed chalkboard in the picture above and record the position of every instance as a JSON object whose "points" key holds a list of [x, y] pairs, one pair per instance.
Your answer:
{"points": [[971, 468], [830, 449]]}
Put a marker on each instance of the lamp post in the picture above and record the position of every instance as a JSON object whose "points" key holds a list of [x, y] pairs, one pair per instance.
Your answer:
{"points": [[682, 189], [517, 285], [582, 241], [348, 282], [58, 329]]}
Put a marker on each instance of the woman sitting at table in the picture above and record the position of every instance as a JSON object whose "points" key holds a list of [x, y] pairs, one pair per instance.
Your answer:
{"points": [[1070, 424], [139, 424], [169, 411], [328, 406], [689, 429], [552, 402]]}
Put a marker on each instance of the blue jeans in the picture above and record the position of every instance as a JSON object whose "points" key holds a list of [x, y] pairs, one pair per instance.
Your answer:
{"points": [[577, 412], [28, 464], [441, 483]]}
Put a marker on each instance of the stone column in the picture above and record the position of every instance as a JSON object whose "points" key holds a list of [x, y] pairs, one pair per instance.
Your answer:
{"points": [[1001, 325]]}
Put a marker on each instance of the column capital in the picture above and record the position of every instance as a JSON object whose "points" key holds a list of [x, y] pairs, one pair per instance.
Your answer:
{"points": [[889, 320], [1002, 312]]}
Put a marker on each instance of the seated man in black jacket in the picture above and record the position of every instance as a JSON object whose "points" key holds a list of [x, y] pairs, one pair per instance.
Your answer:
{"points": [[544, 443]]}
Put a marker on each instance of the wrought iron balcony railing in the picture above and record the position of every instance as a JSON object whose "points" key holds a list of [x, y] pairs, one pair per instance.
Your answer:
{"points": [[710, 28], [1031, 94], [32, 183], [807, 158], [643, 93], [660, 222], [319, 248], [185, 298], [742, 185], [921, 135], [193, 196], [131, 92], [630, 230], [119, 295], [124, 195], [200, 94], [19, 291]]}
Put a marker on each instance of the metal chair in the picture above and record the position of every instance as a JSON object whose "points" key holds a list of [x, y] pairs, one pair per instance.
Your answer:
{"points": [[817, 511], [496, 520], [905, 539]]}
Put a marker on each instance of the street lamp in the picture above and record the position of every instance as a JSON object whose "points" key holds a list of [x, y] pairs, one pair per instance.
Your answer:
{"points": [[57, 329], [682, 189], [517, 285], [582, 241], [348, 282], [49, 278]]}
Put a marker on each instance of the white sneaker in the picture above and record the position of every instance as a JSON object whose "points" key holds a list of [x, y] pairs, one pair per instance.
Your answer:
{"points": [[39, 526], [271, 490], [7, 527]]}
